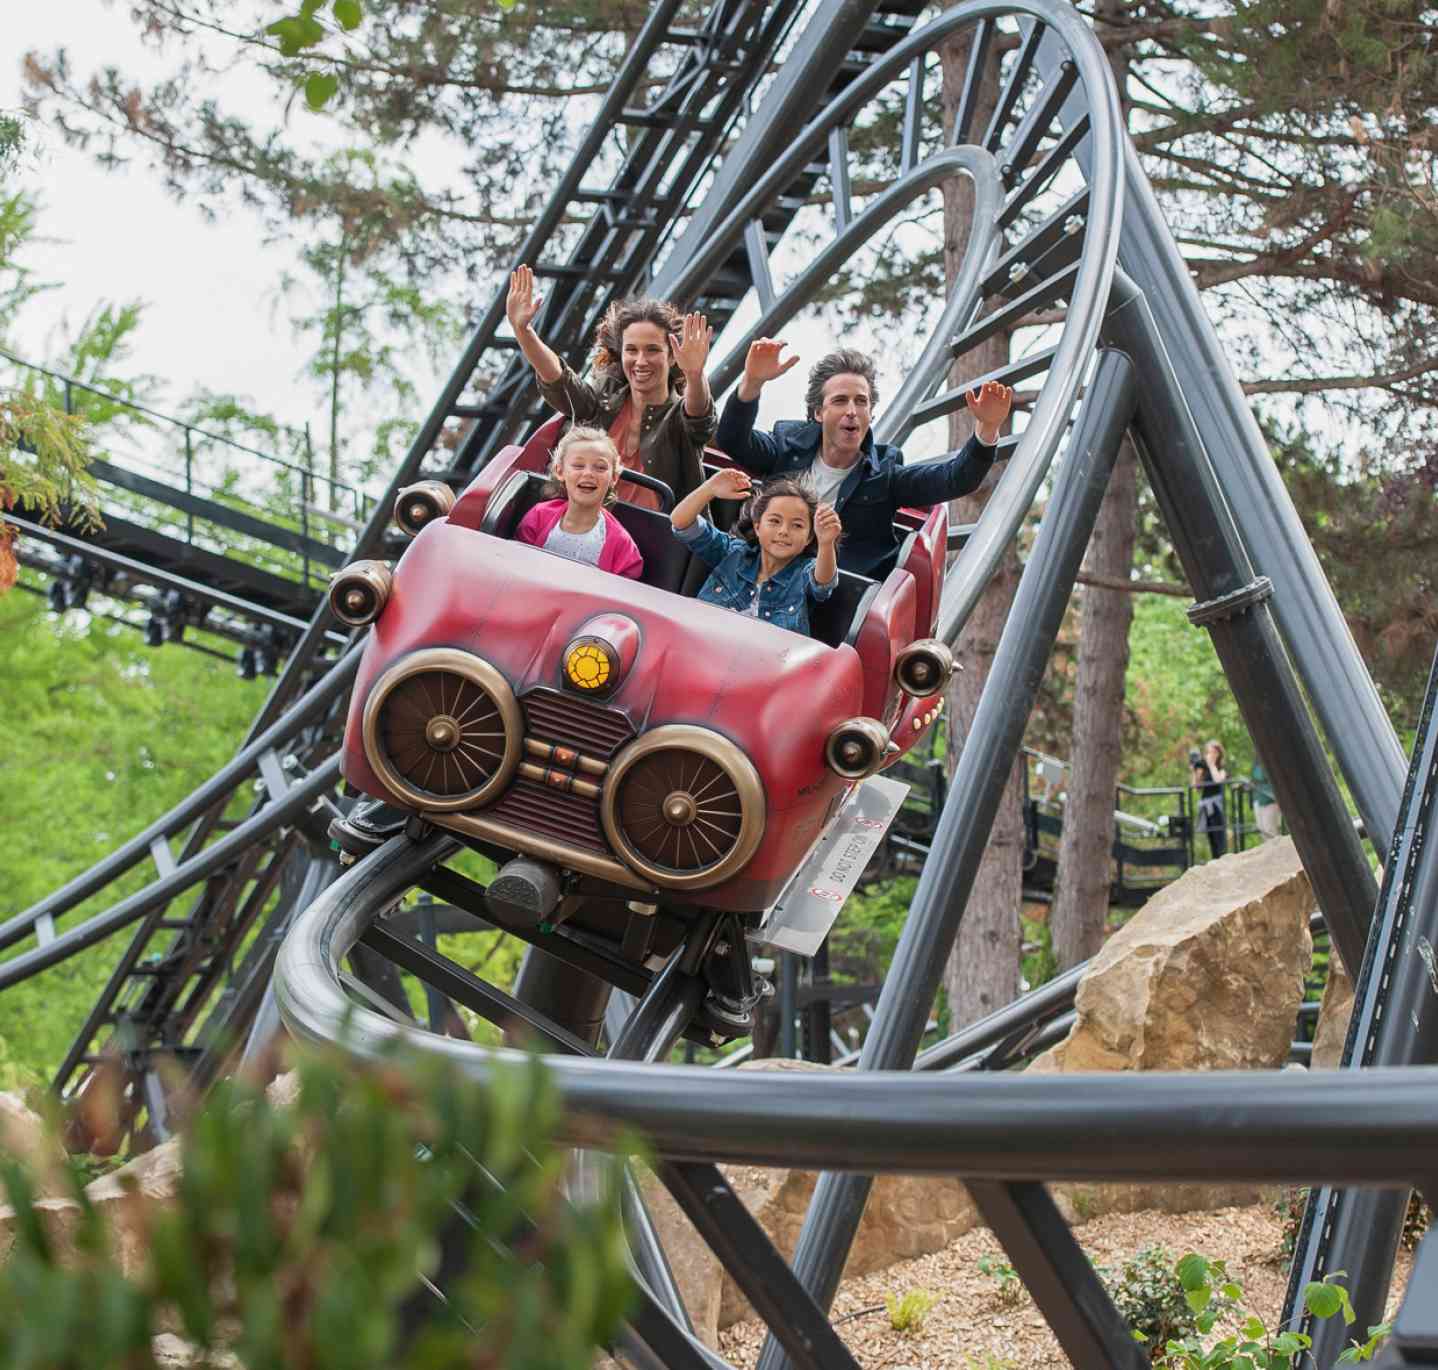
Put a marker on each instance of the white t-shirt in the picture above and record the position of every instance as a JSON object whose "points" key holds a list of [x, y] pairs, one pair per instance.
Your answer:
{"points": [[827, 479], [585, 547]]}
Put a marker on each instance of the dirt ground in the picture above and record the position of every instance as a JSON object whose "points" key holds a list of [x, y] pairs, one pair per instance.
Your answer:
{"points": [[971, 1328]]}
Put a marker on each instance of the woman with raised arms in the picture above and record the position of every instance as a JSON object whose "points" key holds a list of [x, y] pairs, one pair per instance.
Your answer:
{"points": [[647, 388]]}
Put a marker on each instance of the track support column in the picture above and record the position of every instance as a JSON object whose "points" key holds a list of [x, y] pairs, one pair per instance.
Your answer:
{"points": [[963, 829], [1237, 611]]}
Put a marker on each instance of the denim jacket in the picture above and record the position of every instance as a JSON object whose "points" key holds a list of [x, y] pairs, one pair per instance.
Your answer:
{"points": [[873, 492], [783, 598]]}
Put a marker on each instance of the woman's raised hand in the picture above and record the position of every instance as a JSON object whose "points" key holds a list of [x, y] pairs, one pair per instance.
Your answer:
{"points": [[761, 362], [731, 483], [691, 344], [521, 304]]}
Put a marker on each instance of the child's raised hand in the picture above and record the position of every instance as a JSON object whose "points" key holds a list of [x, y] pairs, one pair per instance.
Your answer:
{"points": [[731, 483], [827, 526], [521, 304], [990, 405]]}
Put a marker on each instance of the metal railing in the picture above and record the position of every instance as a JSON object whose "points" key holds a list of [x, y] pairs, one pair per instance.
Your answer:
{"points": [[205, 490]]}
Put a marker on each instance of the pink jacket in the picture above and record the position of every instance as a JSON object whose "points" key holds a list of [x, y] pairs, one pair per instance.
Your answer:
{"points": [[619, 554]]}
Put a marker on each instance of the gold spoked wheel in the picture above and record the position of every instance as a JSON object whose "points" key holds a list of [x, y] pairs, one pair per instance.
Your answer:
{"points": [[443, 730], [684, 806]]}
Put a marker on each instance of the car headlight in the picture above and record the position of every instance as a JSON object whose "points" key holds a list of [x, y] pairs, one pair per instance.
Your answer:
{"points": [[683, 806], [443, 730]]}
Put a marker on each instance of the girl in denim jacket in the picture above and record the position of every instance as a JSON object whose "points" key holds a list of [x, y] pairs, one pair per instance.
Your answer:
{"points": [[768, 571]]}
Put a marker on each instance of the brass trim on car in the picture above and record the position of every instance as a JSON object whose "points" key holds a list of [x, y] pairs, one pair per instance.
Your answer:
{"points": [[680, 809], [561, 853], [358, 592], [420, 504], [924, 667], [856, 748], [444, 733]]}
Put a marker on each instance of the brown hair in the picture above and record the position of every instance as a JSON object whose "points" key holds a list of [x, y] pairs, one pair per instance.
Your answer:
{"points": [[578, 436], [847, 361], [778, 488], [609, 336]]}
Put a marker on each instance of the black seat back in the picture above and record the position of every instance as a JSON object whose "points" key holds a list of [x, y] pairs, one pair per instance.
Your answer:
{"points": [[836, 621], [511, 502], [666, 559]]}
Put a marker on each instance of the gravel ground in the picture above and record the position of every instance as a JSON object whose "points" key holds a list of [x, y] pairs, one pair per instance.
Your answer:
{"points": [[971, 1328]]}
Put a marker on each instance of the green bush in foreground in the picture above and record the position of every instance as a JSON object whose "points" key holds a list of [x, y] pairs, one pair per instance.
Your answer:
{"points": [[1212, 1295], [299, 1233]]}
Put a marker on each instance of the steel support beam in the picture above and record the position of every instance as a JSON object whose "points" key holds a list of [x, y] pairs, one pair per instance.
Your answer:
{"points": [[1236, 610], [982, 772], [1394, 1023]]}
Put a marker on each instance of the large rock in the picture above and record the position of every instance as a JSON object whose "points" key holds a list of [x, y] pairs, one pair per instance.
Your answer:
{"points": [[1208, 975], [24, 1136], [1333, 1015]]}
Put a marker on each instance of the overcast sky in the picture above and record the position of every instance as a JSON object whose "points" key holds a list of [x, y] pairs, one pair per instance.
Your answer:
{"points": [[212, 317]]}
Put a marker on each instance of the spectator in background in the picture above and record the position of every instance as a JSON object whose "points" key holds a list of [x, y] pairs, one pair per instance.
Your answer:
{"points": [[1265, 804], [1208, 778]]}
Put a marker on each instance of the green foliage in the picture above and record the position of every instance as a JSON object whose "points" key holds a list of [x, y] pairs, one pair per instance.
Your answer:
{"points": [[1009, 1288], [1211, 1295], [1289, 1206], [907, 1312], [297, 1234], [1366, 1350], [102, 735], [1148, 1295], [1037, 964], [987, 1360]]}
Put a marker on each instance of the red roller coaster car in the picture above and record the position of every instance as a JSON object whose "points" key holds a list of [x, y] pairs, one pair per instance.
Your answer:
{"points": [[620, 737]]}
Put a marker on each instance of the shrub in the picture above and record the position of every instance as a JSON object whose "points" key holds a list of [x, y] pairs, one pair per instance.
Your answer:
{"points": [[1010, 1288], [907, 1313], [299, 1236], [1150, 1298]]}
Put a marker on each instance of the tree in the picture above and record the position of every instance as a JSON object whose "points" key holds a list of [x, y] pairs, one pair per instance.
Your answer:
{"points": [[982, 973], [496, 93], [1079, 912]]}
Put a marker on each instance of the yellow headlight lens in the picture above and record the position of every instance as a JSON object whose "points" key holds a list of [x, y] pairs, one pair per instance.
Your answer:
{"points": [[587, 666]]}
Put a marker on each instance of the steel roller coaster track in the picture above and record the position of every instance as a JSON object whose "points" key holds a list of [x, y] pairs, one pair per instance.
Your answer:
{"points": [[1063, 217]]}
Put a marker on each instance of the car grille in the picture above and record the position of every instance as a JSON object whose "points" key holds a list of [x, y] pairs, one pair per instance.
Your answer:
{"points": [[557, 720]]}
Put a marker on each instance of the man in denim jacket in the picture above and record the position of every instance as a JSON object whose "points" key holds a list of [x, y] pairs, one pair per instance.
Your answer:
{"points": [[867, 482]]}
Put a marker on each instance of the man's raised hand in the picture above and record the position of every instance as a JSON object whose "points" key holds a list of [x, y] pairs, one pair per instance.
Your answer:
{"points": [[691, 344], [521, 304], [990, 405], [762, 363]]}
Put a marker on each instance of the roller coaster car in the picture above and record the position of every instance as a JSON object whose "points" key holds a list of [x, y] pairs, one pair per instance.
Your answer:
{"points": [[639, 744]]}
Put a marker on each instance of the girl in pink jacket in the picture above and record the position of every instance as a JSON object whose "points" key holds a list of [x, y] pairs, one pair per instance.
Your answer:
{"points": [[586, 465]]}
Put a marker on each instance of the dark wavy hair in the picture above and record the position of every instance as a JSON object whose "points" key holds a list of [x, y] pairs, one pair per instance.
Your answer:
{"points": [[609, 336], [847, 361], [771, 490]]}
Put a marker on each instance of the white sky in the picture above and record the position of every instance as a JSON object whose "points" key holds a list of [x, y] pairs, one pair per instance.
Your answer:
{"points": [[209, 288], [212, 318]]}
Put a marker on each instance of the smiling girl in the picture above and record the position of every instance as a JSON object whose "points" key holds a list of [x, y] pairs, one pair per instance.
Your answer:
{"points": [[579, 527], [782, 558], [647, 387]]}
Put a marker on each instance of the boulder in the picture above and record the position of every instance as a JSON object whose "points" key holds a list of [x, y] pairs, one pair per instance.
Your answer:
{"points": [[1208, 975], [1333, 1015], [24, 1135], [124, 1196]]}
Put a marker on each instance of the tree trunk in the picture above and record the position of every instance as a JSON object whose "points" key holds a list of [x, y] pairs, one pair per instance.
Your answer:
{"points": [[983, 969], [1081, 898], [1081, 895]]}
